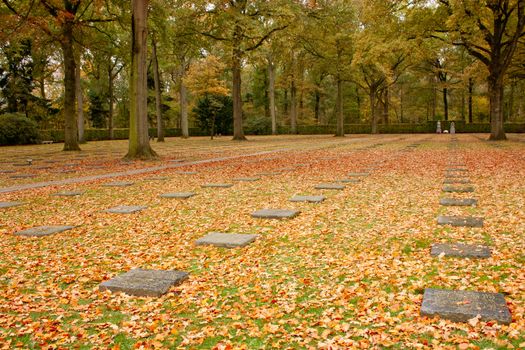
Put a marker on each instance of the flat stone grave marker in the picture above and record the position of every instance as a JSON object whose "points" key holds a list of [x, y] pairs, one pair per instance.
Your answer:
{"points": [[460, 221], [269, 173], [247, 179], [7, 171], [226, 240], [118, 184], [68, 194], [329, 187], [20, 164], [458, 202], [454, 176], [22, 176], [459, 170], [145, 283], [157, 178], [43, 168], [187, 172], [358, 174], [216, 185], [286, 169], [350, 181], [176, 160], [182, 195], [10, 204], [63, 171], [461, 305], [41, 231], [464, 189], [460, 250], [125, 209], [454, 180], [310, 199], [275, 213]]}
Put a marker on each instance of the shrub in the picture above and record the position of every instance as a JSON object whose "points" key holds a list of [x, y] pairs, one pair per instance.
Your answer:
{"points": [[16, 129]]}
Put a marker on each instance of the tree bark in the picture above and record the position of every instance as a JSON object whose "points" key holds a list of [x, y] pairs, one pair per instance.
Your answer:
{"points": [[293, 107], [340, 131], [71, 127], [139, 146], [158, 96], [183, 94], [470, 92], [238, 131], [373, 114], [495, 84], [386, 105], [271, 92], [445, 103], [110, 102], [80, 103]]}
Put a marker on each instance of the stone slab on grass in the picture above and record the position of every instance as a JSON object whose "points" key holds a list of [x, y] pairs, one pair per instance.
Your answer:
{"points": [[461, 250], [182, 195], [187, 172], [461, 306], [216, 185], [455, 181], [41, 231], [22, 176], [460, 221], [459, 170], [358, 174], [458, 189], [310, 199], [329, 187], [145, 283], [247, 179], [125, 209], [227, 240], [353, 181], [275, 213], [458, 202], [68, 194], [118, 184], [10, 204]]}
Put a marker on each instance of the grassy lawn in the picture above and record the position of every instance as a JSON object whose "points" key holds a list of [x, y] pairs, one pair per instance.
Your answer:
{"points": [[345, 273]]}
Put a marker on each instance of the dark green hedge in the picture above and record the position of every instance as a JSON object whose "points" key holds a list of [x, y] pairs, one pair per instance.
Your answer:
{"points": [[16, 129], [428, 127]]}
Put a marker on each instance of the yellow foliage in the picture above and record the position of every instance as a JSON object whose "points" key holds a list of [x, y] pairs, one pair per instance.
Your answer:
{"points": [[204, 77]]}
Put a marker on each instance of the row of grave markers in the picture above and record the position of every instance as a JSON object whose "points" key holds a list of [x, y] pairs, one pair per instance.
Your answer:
{"points": [[154, 283], [461, 305]]}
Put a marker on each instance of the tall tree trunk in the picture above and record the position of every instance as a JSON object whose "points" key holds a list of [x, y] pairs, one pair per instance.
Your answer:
{"points": [[495, 84], [71, 127], [183, 94], [238, 131], [139, 146], [445, 103], [373, 114], [80, 103], [340, 131], [158, 96], [271, 91], [510, 110], [462, 104], [470, 92], [317, 104], [110, 102], [293, 107], [285, 102], [358, 101], [386, 105]]}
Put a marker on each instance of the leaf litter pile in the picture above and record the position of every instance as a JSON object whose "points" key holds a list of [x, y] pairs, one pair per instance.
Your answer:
{"points": [[345, 273]]}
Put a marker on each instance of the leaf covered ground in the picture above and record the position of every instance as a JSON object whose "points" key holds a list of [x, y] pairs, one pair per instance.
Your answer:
{"points": [[346, 273]]}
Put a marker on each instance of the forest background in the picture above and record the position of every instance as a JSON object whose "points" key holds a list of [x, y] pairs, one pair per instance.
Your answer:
{"points": [[263, 67]]}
